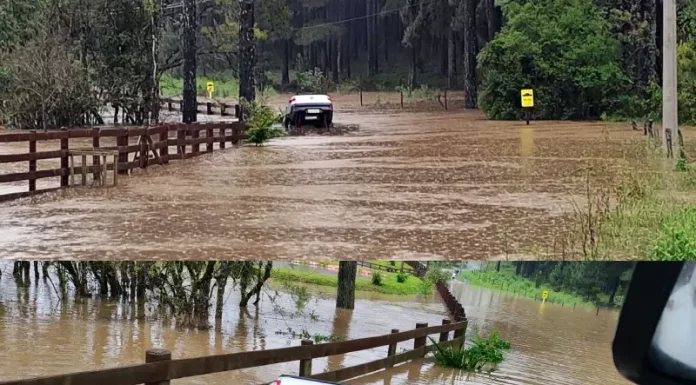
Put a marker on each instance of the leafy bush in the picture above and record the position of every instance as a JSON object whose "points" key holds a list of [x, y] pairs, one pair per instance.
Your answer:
{"points": [[484, 354], [562, 49], [401, 277], [377, 278], [677, 241], [260, 121], [436, 275], [313, 81]]}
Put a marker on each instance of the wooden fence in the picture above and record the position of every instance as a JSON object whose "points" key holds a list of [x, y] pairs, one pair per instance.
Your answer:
{"points": [[159, 368], [390, 269], [453, 306], [210, 108], [186, 138]]}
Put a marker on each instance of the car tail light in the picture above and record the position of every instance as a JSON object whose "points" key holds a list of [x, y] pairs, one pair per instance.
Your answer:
{"points": [[276, 382], [290, 102]]}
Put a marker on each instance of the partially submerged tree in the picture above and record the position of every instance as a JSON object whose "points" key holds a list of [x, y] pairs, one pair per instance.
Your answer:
{"points": [[345, 297]]}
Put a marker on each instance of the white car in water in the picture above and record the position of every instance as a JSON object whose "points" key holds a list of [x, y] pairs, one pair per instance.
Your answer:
{"points": [[316, 110], [293, 380]]}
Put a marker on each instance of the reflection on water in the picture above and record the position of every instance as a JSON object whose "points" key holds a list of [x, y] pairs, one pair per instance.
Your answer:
{"points": [[42, 335], [551, 344], [407, 185]]}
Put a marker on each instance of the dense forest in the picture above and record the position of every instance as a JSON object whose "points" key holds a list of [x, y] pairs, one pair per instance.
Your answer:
{"points": [[62, 60]]}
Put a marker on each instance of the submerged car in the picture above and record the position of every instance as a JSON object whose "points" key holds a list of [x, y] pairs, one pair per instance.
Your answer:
{"points": [[294, 380], [302, 110]]}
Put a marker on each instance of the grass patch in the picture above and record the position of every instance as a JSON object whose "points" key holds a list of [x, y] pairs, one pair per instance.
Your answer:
{"points": [[389, 283], [226, 87], [483, 355], [506, 280]]}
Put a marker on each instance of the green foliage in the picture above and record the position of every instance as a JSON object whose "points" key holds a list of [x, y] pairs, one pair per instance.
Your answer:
{"points": [[401, 277], [560, 48], [377, 278], [569, 283], [389, 283], [438, 276], [260, 121], [677, 238], [313, 82], [482, 356]]}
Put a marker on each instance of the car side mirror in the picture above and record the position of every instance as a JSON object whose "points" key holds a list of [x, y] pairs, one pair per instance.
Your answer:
{"points": [[655, 341]]}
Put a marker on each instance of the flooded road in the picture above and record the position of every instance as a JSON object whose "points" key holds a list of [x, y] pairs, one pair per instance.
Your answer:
{"points": [[551, 345], [410, 184]]}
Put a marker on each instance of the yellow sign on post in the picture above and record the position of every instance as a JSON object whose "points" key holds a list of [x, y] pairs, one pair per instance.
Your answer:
{"points": [[545, 294], [527, 98], [211, 88]]}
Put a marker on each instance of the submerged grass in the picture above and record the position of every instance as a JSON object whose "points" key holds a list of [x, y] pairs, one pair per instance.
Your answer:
{"points": [[506, 280]]}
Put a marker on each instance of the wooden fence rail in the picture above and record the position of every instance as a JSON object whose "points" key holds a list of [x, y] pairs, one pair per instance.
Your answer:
{"points": [[390, 269], [186, 138], [160, 368]]}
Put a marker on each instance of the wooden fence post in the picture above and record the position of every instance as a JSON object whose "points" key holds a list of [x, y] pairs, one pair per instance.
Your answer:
{"points": [[143, 151], [32, 162], [195, 134], [208, 135], [64, 166], [391, 351], [460, 335], [221, 133], [444, 336], [158, 355], [164, 150], [420, 341], [122, 142], [181, 133], [306, 365], [96, 133]]}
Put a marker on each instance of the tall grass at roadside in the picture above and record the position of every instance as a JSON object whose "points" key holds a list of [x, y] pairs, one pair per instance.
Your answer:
{"points": [[648, 214]]}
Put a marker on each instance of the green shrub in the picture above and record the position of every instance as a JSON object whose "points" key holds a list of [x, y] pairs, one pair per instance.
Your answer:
{"points": [[563, 50], [401, 277], [313, 81], [677, 240], [484, 354], [260, 121], [436, 275], [377, 278]]}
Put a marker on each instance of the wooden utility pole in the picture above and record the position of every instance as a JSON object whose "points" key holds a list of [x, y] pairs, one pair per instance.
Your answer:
{"points": [[188, 41], [670, 121]]}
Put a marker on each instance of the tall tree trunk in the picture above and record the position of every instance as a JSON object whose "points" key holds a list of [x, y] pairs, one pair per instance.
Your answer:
{"points": [[650, 62], [220, 300], [190, 28], [412, 79], [497, 267], [247, 50], [444, 59], [451, 60], [286, 63], [518, 267], [369, 36], [345, 297], [494, 18], [470, 48]]}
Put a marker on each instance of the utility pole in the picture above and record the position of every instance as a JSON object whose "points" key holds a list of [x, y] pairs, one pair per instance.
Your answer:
{"points": [[188, 41], [670, 115]]}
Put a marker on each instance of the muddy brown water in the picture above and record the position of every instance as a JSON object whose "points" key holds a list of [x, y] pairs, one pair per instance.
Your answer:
{"points": [[42, 336], [420, 183]]}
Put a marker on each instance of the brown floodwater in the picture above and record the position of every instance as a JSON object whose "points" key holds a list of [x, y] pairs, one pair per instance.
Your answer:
{"points": [[41, 335], [418, 183]]}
